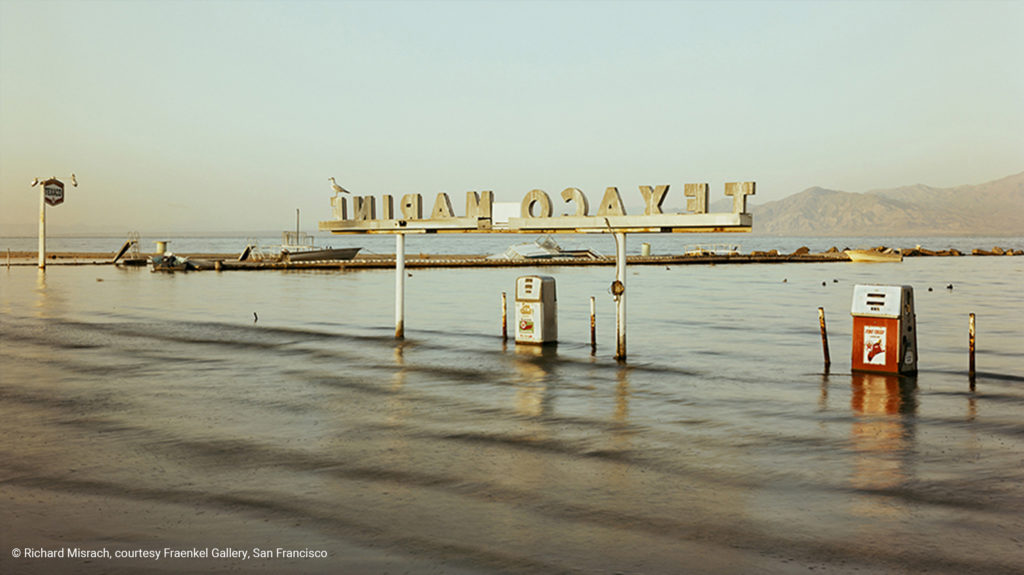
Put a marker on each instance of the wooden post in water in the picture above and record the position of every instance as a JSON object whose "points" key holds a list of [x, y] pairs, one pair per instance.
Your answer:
{"points": [[970, 345], [593, 326], [504, 316], [399, 286], [824, 338]]}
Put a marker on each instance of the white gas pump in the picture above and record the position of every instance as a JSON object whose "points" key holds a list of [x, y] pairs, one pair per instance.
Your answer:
{"points": [[536, 310]]}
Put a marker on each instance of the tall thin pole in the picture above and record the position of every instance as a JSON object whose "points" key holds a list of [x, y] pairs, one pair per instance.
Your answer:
{"points": [[620, 298], [42, 226], [296, 225], [970, 338], [399, 286], [593, 325], [824, 337], [504, 316]]}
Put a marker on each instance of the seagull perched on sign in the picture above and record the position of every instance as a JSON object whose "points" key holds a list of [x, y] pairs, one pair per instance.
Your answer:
{"points": [[337, 189], [35, 182]]}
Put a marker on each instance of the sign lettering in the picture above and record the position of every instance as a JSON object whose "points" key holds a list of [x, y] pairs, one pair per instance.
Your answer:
{"points": [[536, 213], [575, 196], [53, 192]]}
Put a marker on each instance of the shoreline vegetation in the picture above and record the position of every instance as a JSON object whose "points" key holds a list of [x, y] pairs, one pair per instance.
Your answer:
{"points": [[227, 261]]}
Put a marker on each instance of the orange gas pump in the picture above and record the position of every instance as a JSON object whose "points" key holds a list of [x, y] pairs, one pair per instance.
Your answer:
{"points": [[884, 329]]}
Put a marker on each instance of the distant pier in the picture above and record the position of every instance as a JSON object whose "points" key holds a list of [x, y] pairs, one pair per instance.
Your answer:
{"points": [[229, 262]]}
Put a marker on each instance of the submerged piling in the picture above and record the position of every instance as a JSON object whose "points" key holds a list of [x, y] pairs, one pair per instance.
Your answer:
{"points": [[970, 346], [399, 286], [593, 326], [824, 338], [504, 317]]}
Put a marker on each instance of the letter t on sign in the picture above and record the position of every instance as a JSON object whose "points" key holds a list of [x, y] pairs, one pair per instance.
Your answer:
{"points": [[739, 192]]}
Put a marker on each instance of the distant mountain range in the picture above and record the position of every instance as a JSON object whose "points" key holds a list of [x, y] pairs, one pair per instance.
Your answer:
{"points": [[992, 209]]}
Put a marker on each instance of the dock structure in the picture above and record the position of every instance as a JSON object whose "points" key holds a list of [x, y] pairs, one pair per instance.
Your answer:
{"points": [[230, 262], [388, 261], [534, 215]]}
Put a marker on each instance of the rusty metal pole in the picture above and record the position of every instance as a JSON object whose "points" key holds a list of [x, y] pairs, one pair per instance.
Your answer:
{"points": [[593, 326], [504, 316], [824, 337], [970, 368]]}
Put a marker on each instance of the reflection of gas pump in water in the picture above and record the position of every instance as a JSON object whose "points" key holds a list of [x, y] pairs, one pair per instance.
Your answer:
{"points": [[881, 437], [536, 310], [884, 329]]}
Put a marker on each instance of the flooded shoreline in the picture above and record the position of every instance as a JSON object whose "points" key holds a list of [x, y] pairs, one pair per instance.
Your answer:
{"points": [[149, 411]]}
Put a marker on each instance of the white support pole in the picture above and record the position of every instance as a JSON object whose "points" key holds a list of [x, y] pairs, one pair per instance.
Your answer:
{"points": [[620, 299], [399, 286], [42, 226]]}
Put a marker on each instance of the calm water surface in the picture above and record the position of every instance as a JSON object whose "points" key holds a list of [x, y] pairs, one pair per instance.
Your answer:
{"points": [[144, 411]]}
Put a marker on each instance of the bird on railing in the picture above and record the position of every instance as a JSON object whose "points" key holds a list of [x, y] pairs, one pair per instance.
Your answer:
{"points": [[337, 189]]}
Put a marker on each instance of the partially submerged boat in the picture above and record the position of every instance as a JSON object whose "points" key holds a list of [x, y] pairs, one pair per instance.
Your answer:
{"points": [[168, 262], [296, 247], [876, 255], [299, 247], [542, 248]]}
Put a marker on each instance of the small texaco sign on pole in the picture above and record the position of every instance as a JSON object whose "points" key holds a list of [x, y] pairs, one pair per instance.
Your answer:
{"points": [[51, 192]]}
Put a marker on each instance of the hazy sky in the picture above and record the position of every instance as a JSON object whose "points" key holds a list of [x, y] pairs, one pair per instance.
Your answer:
{"points": [[180, 115]]}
